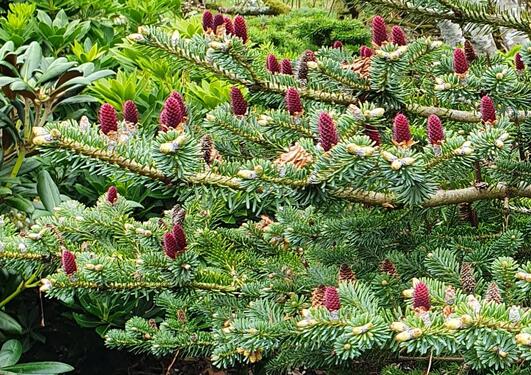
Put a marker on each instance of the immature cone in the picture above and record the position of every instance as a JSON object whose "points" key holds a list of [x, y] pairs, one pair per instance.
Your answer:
{"points": [[435, 130], [398, 36], [468, 280], [293, 101], [449, 295], [421, 296], [173, 114], [108, 120], [308, 55], [488, 112], [366, 51], [229, 26], [68, 261], [272, 64], [177, 96], [518, 62], [331, 299], [346, 273], [493, 293], [328, 137], [285, 67], [318, 296], [401, 131], [373, 134], [337, 44], [240, 28], [206, 148], [379, 31], [388, 267], [469, 52], [112, 195], [218, 21], [208, 20], [180, 237], [237, 102], [460, 63], [170, 245], [177, 214], [130, 112], [302, 70]]}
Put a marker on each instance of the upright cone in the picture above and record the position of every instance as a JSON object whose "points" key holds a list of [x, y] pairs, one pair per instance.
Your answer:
{"points": [[435, 130], [237, 102], [401, 131], [460, 63], [293, 102], [130, 112], [208, 20], [373, 134], [421, 296], [346, 274], [488, 111], [240, 28], [108, 119], [68, 262], [379, 31], [328, 137], [272, 64], [285, 67], [170, 245], [318, 296], [398, 36], [468, 280], [331, 299], [112, 195]]}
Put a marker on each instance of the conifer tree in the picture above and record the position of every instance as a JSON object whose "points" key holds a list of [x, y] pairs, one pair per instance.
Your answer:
{"points": [[361, 168]]}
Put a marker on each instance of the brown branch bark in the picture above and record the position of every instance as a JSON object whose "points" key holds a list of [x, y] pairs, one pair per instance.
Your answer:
{"points": [[441, 198]]}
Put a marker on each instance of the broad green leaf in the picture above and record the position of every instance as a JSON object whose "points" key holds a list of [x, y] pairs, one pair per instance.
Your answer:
{"points": [[78, 99], [47, 190], [86, 321], [20, 204], [10, 353], [55, 70], [5, 191], [7, 81], [33, 57], [40, 368], [9, 325]]}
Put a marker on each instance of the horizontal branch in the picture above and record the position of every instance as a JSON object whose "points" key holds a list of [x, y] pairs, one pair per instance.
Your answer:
{"points": [[456, 115], [441, 198]]}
